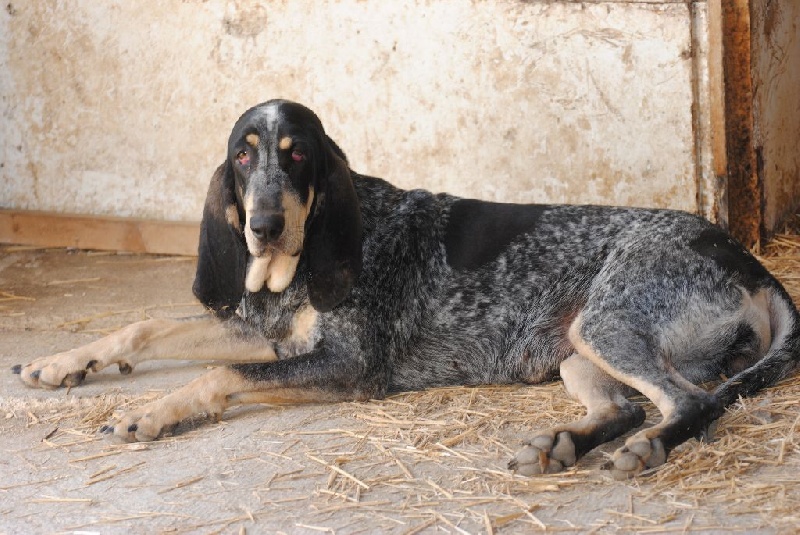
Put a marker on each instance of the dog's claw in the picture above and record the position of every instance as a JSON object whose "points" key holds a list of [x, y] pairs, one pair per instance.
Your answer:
{"points": [[74, 379], [107, 429], [125, 368], [16, 369]]}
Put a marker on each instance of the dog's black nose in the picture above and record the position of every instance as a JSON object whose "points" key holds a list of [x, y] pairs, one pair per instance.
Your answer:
{"points": [[267, 228]]}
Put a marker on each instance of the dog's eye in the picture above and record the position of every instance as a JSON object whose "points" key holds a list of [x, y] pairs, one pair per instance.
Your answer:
{"points": [[242, 157], [298, 156]]}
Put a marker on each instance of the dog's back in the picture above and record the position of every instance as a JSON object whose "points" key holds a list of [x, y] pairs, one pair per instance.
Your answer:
{"points": [[490, 290]]}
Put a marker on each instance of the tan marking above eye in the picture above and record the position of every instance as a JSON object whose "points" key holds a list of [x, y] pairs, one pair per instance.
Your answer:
{"points": [[252, 139], [285, 143]]}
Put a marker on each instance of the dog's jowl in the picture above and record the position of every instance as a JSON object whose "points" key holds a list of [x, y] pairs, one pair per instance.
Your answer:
{"points": [[348, 288]]}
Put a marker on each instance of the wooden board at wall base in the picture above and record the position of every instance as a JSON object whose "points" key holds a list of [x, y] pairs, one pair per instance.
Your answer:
{"points": [[48, 229]]}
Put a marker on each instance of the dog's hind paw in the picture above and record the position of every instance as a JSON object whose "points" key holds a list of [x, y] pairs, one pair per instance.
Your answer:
{"points": [[637, 455], [545, 454]]}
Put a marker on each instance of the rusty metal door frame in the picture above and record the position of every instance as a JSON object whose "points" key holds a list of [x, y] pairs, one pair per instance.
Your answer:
{"points": [[745, 191]]}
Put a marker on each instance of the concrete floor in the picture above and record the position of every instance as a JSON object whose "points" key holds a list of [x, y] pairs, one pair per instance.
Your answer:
{"points": [[310, 469]]}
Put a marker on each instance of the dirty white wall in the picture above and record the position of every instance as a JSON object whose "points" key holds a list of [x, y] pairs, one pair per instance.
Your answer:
{"points": [[124, 108], [776, 105]]}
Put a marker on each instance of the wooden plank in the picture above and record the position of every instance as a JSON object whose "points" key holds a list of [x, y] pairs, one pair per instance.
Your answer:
{"points": [[717, 88], [709, 111], [97, 232]]}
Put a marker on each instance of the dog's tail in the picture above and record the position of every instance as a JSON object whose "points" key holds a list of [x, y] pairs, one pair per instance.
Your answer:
{"points": [[780, 360]]}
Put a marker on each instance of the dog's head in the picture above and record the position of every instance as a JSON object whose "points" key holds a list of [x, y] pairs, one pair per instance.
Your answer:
{"points": [[284, 191]]}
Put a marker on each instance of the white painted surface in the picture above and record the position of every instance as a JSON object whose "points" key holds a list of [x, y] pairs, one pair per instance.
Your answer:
{"points": [[124, 108]]}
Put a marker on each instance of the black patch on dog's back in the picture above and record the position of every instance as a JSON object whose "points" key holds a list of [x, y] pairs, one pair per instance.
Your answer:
{"points": [[731, 256], [478, 231]]}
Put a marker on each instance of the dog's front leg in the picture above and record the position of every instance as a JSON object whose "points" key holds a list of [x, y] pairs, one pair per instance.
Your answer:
{"points": [[197, 338], [313, 377]]}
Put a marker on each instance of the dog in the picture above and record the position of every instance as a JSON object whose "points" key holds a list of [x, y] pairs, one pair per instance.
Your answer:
{"points": [[344, 287]]}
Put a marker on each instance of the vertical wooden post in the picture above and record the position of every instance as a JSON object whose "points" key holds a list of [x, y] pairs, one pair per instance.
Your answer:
{"points": [[709, 111]]}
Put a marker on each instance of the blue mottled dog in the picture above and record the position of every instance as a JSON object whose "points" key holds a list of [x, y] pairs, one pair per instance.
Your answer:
{"points": [[344, 287]]}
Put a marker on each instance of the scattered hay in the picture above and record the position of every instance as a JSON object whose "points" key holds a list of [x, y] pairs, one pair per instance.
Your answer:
{"points": [[70, 420], [70, 282], [10, 296], [782, 258], [434, 460], [751, 467]]}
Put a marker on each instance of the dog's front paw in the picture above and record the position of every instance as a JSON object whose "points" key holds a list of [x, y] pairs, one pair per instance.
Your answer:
{"points": [[66, 369], [62, 369], [638, 454], [163, 415], [142, 425], [547, 453]]}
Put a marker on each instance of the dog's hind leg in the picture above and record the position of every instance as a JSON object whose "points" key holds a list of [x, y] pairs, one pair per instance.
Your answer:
{"points": [[198, 338], [629, 356], [609, 414]]}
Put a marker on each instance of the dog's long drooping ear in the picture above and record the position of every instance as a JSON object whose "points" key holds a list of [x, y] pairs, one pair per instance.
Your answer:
{"points": [[222, 252], [333, 239]]}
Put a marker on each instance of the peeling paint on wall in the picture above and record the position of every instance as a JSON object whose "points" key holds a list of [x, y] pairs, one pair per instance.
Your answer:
{"points": [[123, 108]]}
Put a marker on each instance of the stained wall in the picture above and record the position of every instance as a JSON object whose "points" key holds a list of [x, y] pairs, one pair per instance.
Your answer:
{"points": [[775, 64], [124, 108]]}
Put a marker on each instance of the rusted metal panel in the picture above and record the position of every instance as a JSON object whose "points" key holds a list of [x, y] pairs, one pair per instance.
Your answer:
{"points": [[744, 188]]}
